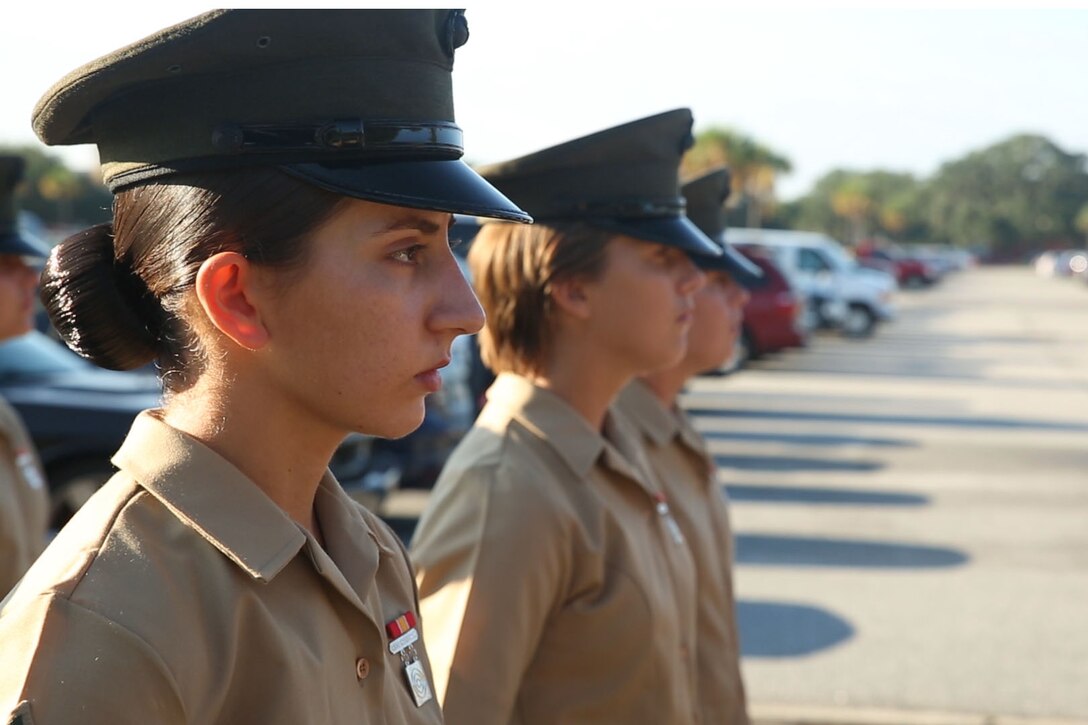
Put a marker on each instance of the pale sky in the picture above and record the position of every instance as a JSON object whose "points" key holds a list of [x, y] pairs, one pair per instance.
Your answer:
{"points": [[857, 87]]}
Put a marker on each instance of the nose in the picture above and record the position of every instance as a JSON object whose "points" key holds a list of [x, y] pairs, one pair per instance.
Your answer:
{"points": [[458, 310], [743, 296], [691, 278]]}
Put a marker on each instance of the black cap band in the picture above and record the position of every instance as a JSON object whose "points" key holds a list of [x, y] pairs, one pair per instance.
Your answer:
{"points": [[385, 138]]}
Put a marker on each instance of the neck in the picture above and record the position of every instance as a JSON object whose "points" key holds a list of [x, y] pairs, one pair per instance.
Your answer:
{"points": [[586, 378], [667, 384], [267, 438]]}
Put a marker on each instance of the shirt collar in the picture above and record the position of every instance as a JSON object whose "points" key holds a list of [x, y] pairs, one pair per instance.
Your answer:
{"points": [[689, 435], [646, 412], [662, 425], [547, 415], [210, 495]]}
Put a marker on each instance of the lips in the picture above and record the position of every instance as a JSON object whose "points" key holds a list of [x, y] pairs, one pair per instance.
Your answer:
{"points": [[430, 378]]}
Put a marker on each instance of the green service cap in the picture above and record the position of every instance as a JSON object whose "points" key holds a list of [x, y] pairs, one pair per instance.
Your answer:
{"points": [[359, 102], [622, 179], [12, 241], [706, 197]]}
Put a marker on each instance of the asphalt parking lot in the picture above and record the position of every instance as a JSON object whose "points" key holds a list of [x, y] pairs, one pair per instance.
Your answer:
{"points": [[911, 511]]}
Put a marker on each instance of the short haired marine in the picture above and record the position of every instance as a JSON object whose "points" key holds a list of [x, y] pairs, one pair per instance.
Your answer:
{"points": [[284, 181], [556, 584]]}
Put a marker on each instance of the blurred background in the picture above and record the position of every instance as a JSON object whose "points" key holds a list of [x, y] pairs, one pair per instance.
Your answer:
{"points": [[903, 433]]}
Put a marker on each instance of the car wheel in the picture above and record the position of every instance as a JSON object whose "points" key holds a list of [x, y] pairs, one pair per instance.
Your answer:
{"points": [[71, 484], [859, 321]]}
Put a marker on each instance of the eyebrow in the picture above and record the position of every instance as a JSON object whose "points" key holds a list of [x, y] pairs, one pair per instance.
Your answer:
{"points": [[417, 222]]}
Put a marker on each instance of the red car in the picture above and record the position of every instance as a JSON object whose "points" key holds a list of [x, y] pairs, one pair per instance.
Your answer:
{"points": [[774, 317], [908, 271]]}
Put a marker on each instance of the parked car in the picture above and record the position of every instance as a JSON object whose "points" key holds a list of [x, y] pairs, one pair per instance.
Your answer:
{"points": [[1061, 262], [840, 293], [910, 270], [78, 414], [775, 317]]}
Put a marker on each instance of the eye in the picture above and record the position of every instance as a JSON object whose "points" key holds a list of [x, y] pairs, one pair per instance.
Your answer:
{"points": [[408, 254], [669, 256]]}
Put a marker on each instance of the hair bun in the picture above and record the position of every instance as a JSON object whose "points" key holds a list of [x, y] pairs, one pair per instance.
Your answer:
{"points": [[102, 310]]}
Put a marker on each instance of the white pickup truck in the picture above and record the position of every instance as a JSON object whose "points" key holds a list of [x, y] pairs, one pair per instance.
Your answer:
{"points": [[840, 292]]}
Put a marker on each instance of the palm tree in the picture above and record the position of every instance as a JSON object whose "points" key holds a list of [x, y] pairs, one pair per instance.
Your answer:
{"points": [[1081, 221], [753, 166]]}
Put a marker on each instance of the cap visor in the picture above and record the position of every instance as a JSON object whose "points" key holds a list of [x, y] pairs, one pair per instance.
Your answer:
{"points": [[746, 272], [673, 231], [450, 185], [23, 246]]}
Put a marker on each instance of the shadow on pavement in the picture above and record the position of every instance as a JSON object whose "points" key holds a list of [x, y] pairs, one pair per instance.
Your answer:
{"points": [[778, 629], [922, 420], [810, 439], [794, 463], [769, 550], [833, 496]]}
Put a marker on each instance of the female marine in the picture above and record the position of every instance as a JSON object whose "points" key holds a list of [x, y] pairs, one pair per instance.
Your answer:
{"points": [[284, 181], [679, 457], [556, 585]]}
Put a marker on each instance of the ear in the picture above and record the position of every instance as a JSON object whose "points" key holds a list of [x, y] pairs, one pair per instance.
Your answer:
{"points": [[572, 297], [224, 286]]}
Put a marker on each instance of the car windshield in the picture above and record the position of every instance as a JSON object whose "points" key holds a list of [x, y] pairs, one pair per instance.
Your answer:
{"points": [[839, 258], [37, 354]]}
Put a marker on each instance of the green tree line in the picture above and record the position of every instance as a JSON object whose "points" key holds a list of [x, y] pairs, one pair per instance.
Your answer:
{"points": [[58, 195], [1020, 195]]}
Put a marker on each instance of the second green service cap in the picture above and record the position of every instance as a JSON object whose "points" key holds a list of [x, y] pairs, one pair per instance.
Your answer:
{"points": [[359, 102], [623, 179]]}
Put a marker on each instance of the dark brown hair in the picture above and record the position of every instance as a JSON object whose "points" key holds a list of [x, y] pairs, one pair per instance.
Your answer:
{"points": [[116, 292], [513, 269]]}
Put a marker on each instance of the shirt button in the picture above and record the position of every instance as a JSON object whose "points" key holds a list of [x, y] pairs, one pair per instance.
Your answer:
{"points": [[362, 668]]}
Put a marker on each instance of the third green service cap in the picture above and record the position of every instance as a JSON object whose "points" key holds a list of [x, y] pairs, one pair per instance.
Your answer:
{"points": [[706, 195], [623, 179], [358, 102]]}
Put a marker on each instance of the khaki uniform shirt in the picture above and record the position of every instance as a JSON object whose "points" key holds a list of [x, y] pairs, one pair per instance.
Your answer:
{"points": [[678, 455], [180, 593], [553, 590], [24, 500]]}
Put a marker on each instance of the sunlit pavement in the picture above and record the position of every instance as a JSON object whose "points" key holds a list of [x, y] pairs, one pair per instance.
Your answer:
{"points": [[911, 511]]}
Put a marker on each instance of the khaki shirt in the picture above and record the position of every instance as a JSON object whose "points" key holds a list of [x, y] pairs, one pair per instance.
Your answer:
{"points": [[180, 593], [553, 590], [24, 500], [679, 457]]}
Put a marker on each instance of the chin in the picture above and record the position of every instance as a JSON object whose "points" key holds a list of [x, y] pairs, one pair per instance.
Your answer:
{"points": [[398, 422], [663, 363]]}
